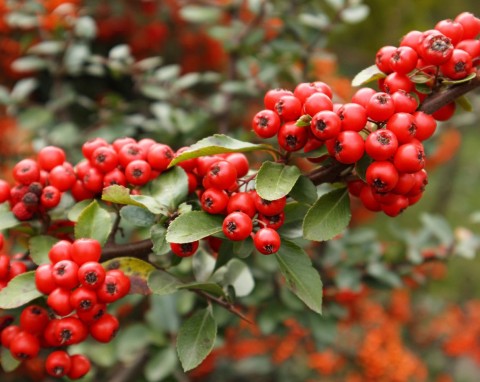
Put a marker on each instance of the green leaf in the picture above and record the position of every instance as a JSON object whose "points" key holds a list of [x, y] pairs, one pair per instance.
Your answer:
{"points": [[161, 364], [238, 275], [212, 288], [151, 204], [137, 216], [162, 283], [464, 103], [75, 212], [196, 338], [381, 273], [420, 78], [218, 144], [243, 248], [304, 191], [132, 340], [94, 222], [137, 270], [203, 265], [192, 226], [7, 361], [302, 279], [20, 290], [328, 217], [423, 88], [275, 180], [8, 220], [39, 247], [304, 121], [158, 235], [362, 165], [120, 195], [463, 80], [372, 73], [170, 188]]}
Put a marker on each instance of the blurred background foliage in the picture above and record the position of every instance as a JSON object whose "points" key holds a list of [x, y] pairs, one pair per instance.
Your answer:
{"points": [[177, 71]]}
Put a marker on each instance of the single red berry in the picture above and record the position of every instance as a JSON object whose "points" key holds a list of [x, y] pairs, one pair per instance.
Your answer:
{"points": [[80, 192], [184, 249], [85, 250], [69, 331], [425, 124], [58, 363], [118, 143], [472, 47], [470, 24], [458, 66], [436, 48], [381, 144], [292, 137], [452, 29], [80, 365], [353, 116], [34, 319], [397, 81], [114, 177], [237, 226], [115, 286], [26, 171], [317, 102], [412, 39], [405, 183], [4, 266], [404, 102], [289, 108], [368, 199], [380, 107], [16, 268], [362, 96], [240, 162], [24, 346], [325, 125], [44, 280], [131, 152], [51, 197], [382, 176], [273, 96], [409, 157], [243, 202], [214, 201], [347, 148], [403, 126], [403, 60], [204, 163], [306, 89], [138, 172], [65, 274], [83, 299], [159, 156], [266, 123], [62, 177], [105, 328], [269, 207], [4, 191], [50, 157], [93, 314], [59, 301], [396, 207], [222, 174], [104, 158], [382, 58], [91, 145], [267, 241], [146, 143], [91, 275], [22, 212], [8, 334]]}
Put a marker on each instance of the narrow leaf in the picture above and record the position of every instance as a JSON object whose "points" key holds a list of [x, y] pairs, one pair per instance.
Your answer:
{"points": [[137, 270], [196, 338], [192, 226], [275, 180], [464, 103], [461, 81], [211, 288], [39, 247], [218, 144], [302, 279], [94, 222], [20, 290], [163, 283], [367, 75], [328, 217]]}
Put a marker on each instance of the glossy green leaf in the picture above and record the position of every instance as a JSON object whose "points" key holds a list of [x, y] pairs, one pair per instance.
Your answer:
{"points": [[304, 191], [162, 283], [211, 288], [370, 74], [461, 81], [8, 220], [137, 270], [302, 279], [120, 195], [196, 338], [192, 226], [275, 180], [39, 246], [218, 144], [94, 222], [158, 235], [75, 212], [328, 217], [238, 276], [171, 188], [161, 364], [137, 216], [20, 290]]}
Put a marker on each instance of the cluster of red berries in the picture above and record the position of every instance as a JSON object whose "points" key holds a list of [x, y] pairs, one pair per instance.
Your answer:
{"points": [[221, 177], [8, 268], [449, 51], [78, 290], [385, 125], [124, 162]]}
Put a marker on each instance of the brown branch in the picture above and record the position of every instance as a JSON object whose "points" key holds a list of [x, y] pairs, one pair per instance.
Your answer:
{"points": [[140, 250], [442, 98], [224, 304], [328, 174]]}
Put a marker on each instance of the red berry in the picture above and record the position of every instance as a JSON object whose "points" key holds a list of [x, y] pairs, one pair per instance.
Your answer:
{"points": [[403, 126], [452, 29], [274, 221], [403, 60], [237, 226], [105, 328], [382, 176], [222, 174], [159, 156], [116, 176], [91, 275], [65, 274], [325, 125], [289, 108], [51, 197], [347, 148], [62, 177], [458, 66], [317, 102], [80, 365], [115, 286], [436, 49], [380, 107], [34, 319], [381, 144], [58, 363], [24, 346], [184, 249], [4, 266], [382, 58], [26, 171], [362, 96], [404, 102], [8, 334], [240, 162], [93, 314], [306, 89], [50, 157], [138, 172], [214, 201], [395, 82], [85, 250], [267, 241], [409, 157], [4, 191], [69, 331], [59, 301], [266, 123], [292, 137], [353, 116], [83, 299], [131, 152], [470, 24], [120, 142], [243, 202], [446, 112], [44, 280], [91, 145], [269, 207], [104, 158], [425, 124]]}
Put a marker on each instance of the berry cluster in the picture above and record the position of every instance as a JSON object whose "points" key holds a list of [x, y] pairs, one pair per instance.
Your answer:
{"points": [[221, 177], [8, 268], [384, 127], [78, 290]]}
